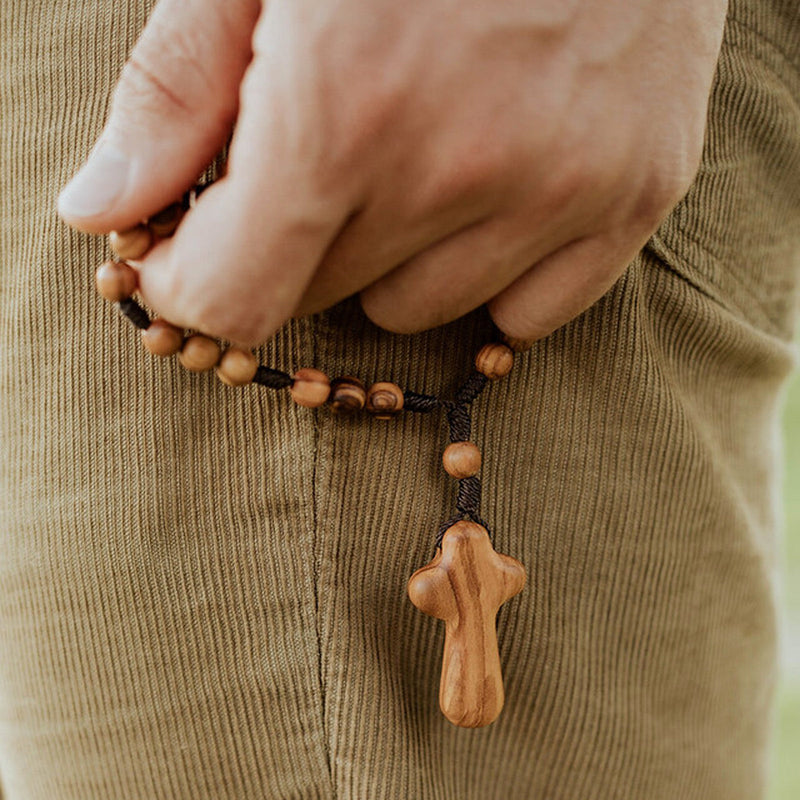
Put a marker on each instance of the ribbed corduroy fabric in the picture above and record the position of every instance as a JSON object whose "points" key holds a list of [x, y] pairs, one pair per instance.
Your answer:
{"points": [[202, 589]]}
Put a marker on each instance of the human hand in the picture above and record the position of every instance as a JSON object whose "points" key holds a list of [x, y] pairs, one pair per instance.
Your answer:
{"points": [[431, 155]]}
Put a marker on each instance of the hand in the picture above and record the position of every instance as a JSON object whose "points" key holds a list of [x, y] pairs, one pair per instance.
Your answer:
{"points": [[431, 155]]}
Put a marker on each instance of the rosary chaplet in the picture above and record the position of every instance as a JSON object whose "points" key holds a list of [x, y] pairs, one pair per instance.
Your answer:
{"points": [[467, 581]]}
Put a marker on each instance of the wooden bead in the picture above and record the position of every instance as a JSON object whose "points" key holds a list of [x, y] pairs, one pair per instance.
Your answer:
{"points": [[384, 399], [199, 353], [162, 338], [494, 360], [518, 345], [131, 244], [465, 584], [310, 387], [166, 222], [237, 367], [116, 281], [348, 395], [462, 459]]}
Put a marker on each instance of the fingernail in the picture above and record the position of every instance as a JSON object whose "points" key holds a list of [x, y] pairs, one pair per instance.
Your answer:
{"points": [[97, 186]]}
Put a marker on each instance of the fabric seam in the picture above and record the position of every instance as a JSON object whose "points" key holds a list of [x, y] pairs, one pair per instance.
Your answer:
{"points": [[317, 561]]}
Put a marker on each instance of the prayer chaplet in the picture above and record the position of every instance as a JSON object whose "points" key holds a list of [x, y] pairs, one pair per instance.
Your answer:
{"points": [[467, 581]]}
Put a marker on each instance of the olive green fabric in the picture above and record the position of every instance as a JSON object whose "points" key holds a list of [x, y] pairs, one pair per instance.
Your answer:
{"points": [[202, 589]]}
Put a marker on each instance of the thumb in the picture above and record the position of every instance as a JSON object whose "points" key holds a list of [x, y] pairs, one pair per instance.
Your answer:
{"points": [[171, 113]]}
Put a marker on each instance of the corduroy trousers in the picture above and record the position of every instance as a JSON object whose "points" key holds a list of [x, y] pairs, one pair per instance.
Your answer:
{"points": [[202, 589]]}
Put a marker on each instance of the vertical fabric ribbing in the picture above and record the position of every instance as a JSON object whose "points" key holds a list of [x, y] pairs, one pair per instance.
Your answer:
{"points": [[202, 588], [154, 535]]}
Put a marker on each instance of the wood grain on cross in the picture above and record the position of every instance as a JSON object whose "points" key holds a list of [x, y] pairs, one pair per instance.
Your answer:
{"points": [[465, 585]]}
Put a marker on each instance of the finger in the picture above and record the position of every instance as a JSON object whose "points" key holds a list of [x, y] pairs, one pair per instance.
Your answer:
{"points": [[374, 242], [242, 257], [455, 276], [172, 111], [560, 287], [234, 270]]}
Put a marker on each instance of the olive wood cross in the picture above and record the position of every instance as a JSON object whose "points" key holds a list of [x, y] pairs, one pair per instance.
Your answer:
{"points": [[465, 585]]}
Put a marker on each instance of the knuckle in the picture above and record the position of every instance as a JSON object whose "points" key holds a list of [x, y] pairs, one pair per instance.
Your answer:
{"points": [[154, 83], [140, 85], [234, 322], [387, 315], [476, 169], [198, 306], [515, 320], [660, 193]]}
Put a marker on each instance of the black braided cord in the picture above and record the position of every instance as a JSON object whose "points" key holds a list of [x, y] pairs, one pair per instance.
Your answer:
{"points": [[135, 313], [272, 378], [420, 402]]}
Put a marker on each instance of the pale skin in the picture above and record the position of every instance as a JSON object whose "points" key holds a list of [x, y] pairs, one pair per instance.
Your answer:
{"points": [[430, 155]]}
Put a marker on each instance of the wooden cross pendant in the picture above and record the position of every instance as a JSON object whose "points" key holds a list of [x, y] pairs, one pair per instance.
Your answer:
{"points": [[465, 585]]}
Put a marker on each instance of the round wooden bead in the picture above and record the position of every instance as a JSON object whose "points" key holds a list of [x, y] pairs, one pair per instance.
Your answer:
{"points": [[462, 459], [348, 395], [518, 345], [116, 281], [494, 360], [237, 367], [166, 222], [162, 338], [310, 387], [199, 353], [384, 399], [131, 244]]}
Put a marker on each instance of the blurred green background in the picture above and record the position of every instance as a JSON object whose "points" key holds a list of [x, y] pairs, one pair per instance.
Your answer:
{"points": [[786, 764]]}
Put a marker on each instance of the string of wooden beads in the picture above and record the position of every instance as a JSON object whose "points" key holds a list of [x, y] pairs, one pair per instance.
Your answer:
{"points": [[471, 690], [116, 280]]}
